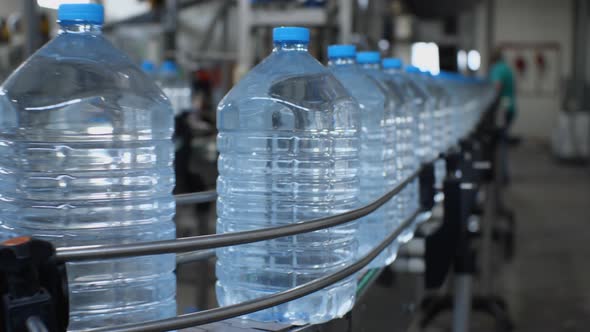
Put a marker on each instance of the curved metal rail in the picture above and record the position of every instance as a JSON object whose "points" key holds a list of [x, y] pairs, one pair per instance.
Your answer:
{"points": [[193, 256], [195, 198], [226, 239], [218, 314]]}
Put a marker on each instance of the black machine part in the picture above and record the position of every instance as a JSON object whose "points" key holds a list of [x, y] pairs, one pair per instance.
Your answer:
{"points": [[33, 286]]}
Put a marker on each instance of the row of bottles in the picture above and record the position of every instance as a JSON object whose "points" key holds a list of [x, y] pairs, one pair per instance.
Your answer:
{"points": [[170, 80], [86, 158], [300, 141]]}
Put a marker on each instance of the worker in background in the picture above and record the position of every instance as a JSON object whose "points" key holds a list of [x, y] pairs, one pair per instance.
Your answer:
{"points": [[502, 76]]}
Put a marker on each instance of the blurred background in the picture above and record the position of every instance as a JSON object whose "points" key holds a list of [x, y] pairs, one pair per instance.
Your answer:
{"points": [[215, 42], [197, 49]]}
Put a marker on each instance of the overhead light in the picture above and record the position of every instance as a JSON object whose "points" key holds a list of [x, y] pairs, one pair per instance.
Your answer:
{"points": [[363, 4], [473, 60], [425, 56], [54, 4], [383, 44], [462, 60]]}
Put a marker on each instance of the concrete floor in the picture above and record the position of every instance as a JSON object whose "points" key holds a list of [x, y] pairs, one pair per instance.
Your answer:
{"points": [[548, 283]]}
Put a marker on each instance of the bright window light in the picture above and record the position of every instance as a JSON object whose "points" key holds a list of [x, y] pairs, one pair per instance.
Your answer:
{"points": [[473, 60], [363, 4], [53, 4], [425, 56], [462, 60], [383, 44]]}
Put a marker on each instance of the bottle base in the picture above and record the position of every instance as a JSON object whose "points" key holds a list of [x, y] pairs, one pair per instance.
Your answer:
{"points": [[140, 314], [318, 307]]}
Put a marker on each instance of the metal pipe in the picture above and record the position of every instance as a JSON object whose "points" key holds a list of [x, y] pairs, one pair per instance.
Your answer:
{"points": [[578, 70], [31, 26], [345, 21], [220, 14], [245, 51], [462, 303], [218, 314], [194, 256], [195, 198], [223, 240], [170, 25], [35, 324]]}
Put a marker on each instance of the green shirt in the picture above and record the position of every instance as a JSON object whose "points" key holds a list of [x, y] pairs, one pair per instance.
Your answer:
{"points": [[501, 73]]}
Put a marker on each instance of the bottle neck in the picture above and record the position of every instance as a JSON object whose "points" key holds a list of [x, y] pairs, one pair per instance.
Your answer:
{"points": [[341, 62], [76, 27], [371, 66], [290, 47], [374, 66]]}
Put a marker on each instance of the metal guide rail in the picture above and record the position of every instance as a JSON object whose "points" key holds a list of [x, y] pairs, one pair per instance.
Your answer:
{"points": [[200, 247], [223, 313], [226, 239]]}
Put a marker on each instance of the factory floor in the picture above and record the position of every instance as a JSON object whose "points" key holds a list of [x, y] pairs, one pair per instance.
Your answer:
{"points": [[547, 284]]}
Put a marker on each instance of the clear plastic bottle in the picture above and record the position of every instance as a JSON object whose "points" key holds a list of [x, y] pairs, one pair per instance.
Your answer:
{"points": [[175, 87], [370, 62], [440, 136], [444, 124], [427, 150], [447, 83], [408, 138], [372, 100], [289, 140], [86, 159], [426, 104]]}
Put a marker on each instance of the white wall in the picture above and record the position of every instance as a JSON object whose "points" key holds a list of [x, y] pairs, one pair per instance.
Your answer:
{"points": [[536, 21]]}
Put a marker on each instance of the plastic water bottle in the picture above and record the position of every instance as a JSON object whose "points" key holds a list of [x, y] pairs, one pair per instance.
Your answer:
{"points": [[439, 126], [444, 124], [289, 140], [408, 138], [370, 62], [447, 82], [86, 158], [373, 101], [425, 103], [175, 88], [426, 150]]}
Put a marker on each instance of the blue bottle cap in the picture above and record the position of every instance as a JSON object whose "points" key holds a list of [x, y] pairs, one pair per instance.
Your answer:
{"points": [[148, 66], [290, 34], [412, 69], [392, 63], [341, 51], [169, 66], [368, 57], [81, 13]]}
